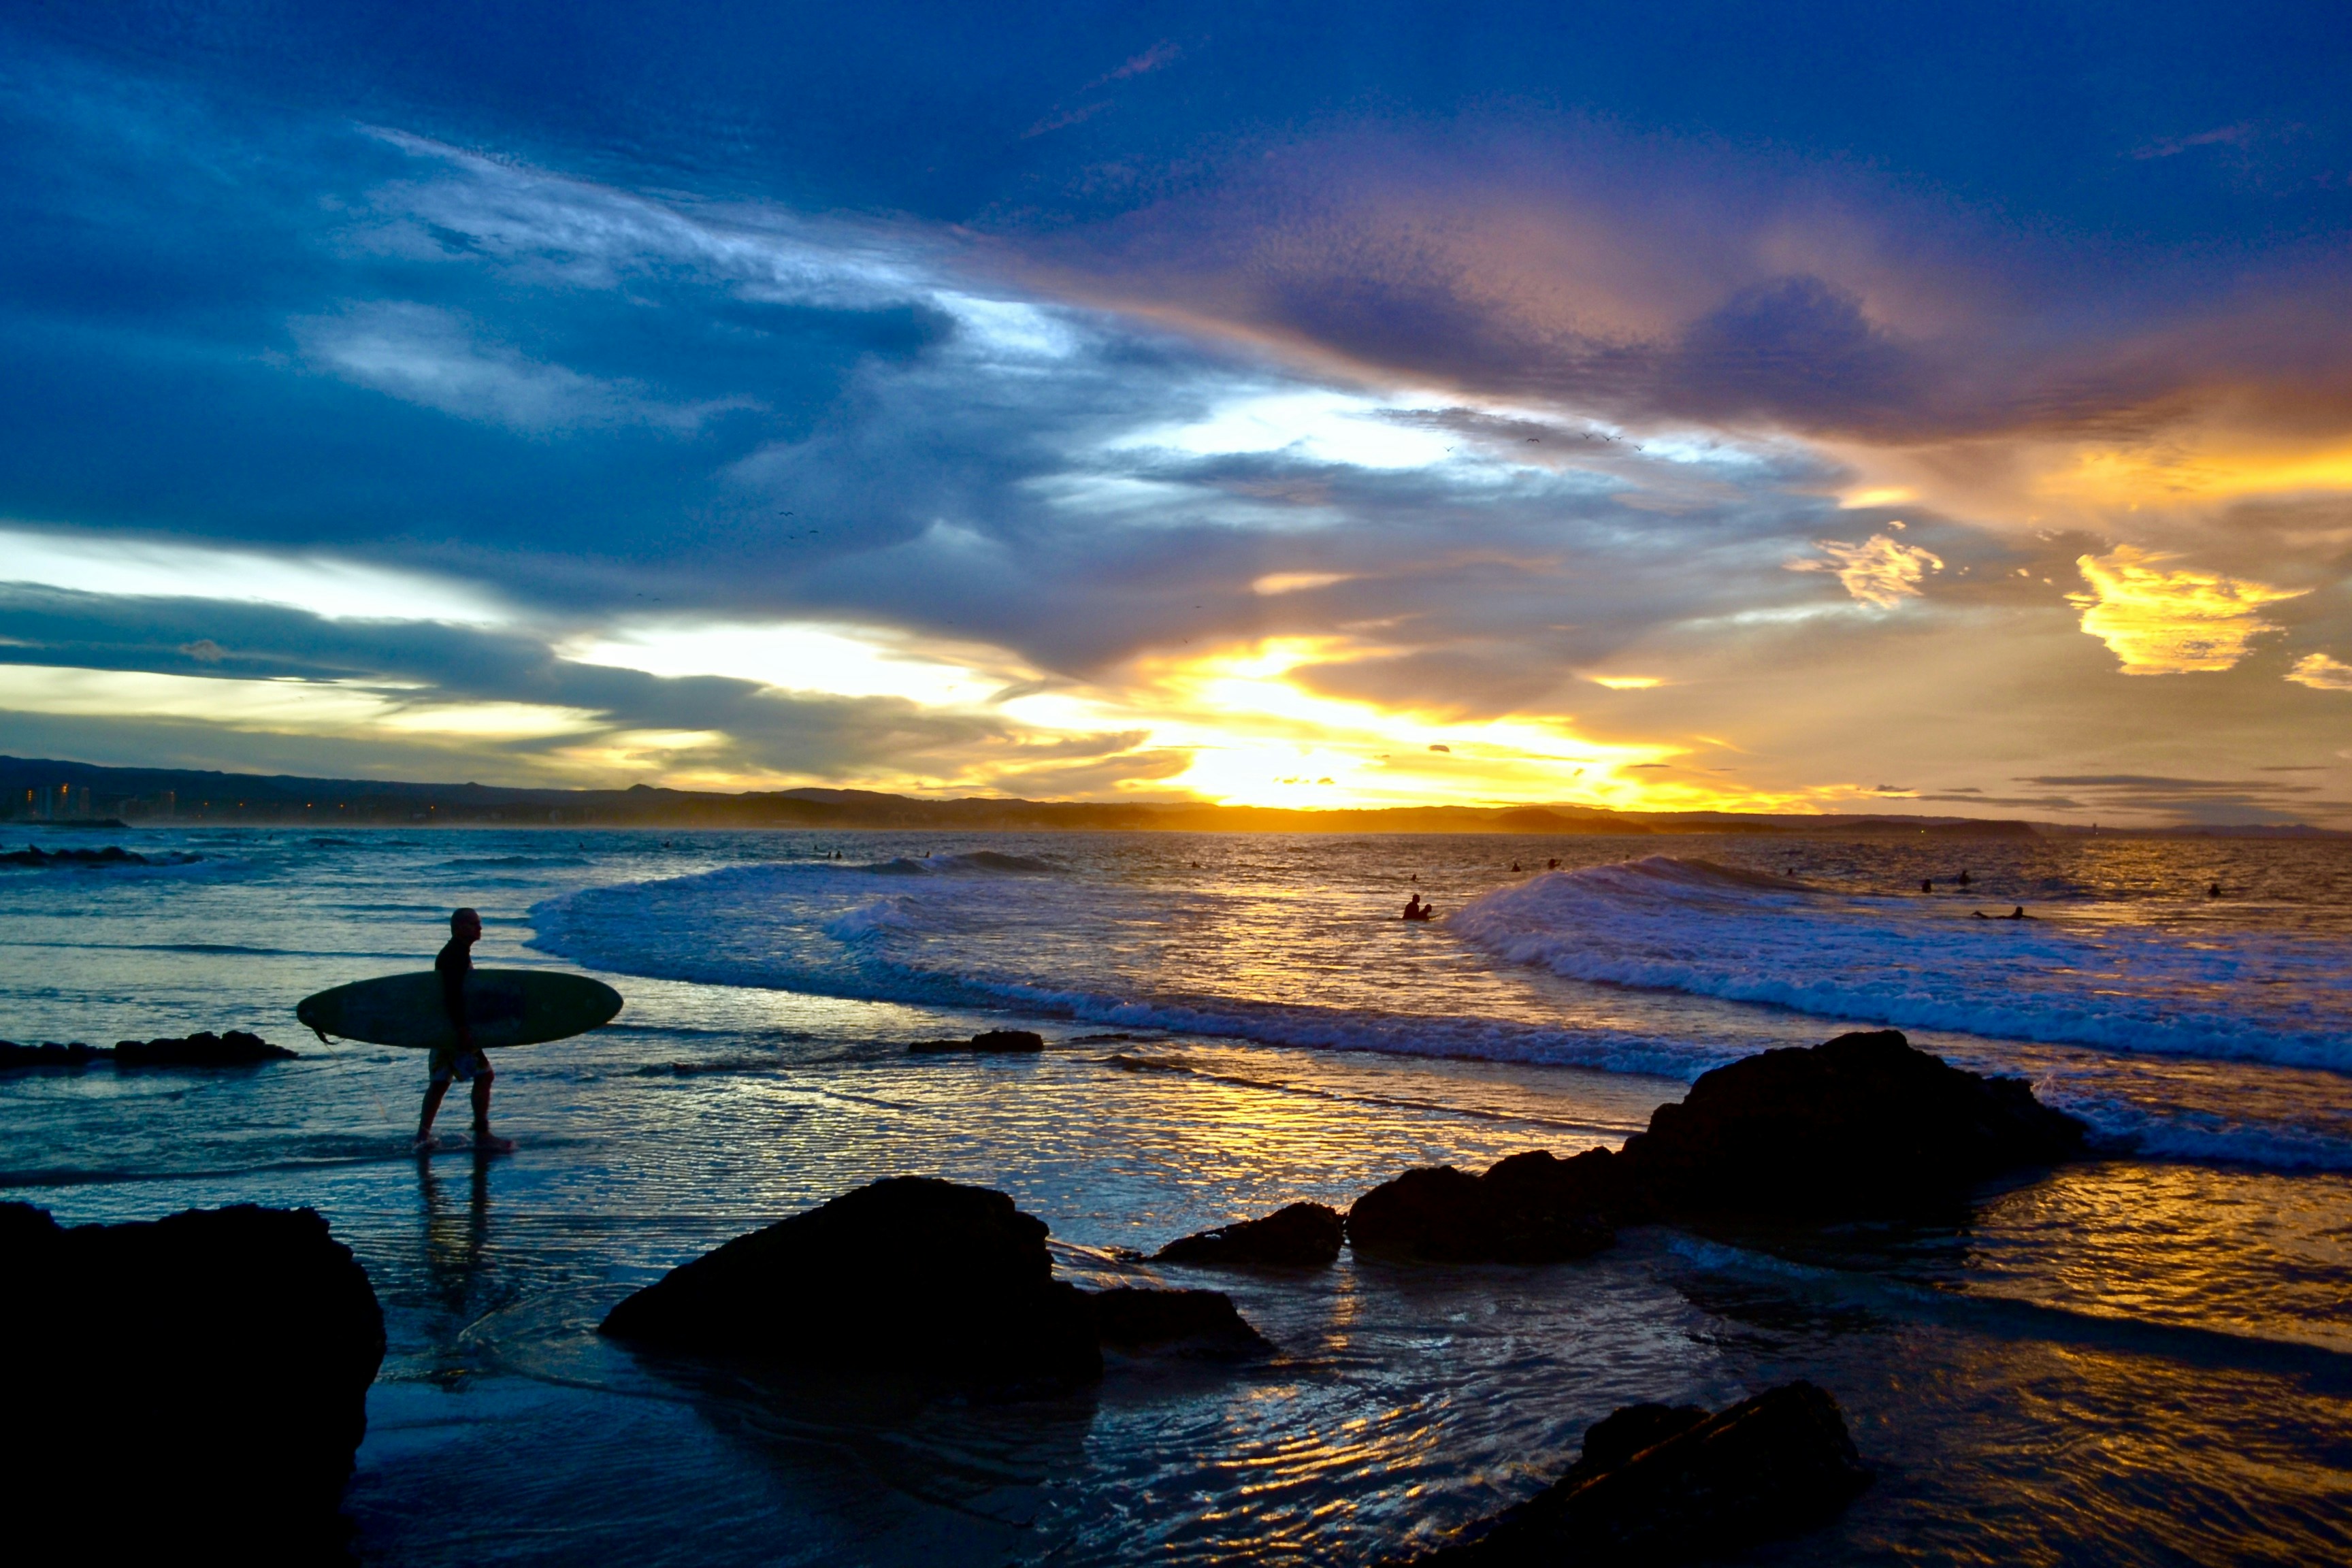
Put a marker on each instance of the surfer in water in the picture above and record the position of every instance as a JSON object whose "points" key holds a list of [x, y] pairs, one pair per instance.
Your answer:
{"points": [[1415, 909], [465, 1059]]}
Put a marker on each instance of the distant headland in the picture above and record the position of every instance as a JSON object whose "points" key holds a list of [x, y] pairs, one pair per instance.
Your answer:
{"points": [[69, 794]]}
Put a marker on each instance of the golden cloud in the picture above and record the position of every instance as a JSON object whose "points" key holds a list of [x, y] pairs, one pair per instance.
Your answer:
{"points": [[2321, 673], [1881, 571], [2160, 622], [1275, 583]]}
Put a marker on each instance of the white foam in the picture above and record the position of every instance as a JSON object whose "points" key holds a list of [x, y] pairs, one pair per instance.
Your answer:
{"points": [[869, 919], [1687, 926]]}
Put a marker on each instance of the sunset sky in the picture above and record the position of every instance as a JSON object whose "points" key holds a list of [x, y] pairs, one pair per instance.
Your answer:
{"points": [[1785, 407]]}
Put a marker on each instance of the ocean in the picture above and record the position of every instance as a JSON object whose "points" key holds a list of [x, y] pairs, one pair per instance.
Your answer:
{"points": [[2142, 1358]]}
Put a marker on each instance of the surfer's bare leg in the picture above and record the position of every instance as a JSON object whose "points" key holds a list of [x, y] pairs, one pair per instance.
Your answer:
{"points": [[435, 1092], [484, 1139]]}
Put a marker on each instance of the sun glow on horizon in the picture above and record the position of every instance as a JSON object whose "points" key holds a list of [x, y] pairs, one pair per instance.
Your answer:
{"points": [[1230, 725], [1256, 737]]}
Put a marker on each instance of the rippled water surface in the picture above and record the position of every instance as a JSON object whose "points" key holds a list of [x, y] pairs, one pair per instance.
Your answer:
{"points": [[2145, 1358]]}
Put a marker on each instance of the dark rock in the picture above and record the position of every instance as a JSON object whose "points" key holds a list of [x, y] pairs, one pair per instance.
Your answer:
{"points": [[1202, 1321], [1661, 1484], [50, 1054], [1625, 1432], [112, 855], [949, 1285], [1864, 1124], [1529, 1208], [994, 1041], [186, 1389], [201, 1049], [1303, 1236], [1595, 1184]]}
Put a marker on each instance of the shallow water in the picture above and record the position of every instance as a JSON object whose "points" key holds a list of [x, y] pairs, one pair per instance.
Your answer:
{"points": [[2146, 1357]]}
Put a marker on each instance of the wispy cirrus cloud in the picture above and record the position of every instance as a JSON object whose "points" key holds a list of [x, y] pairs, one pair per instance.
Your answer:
{"points": [[429, 356]]}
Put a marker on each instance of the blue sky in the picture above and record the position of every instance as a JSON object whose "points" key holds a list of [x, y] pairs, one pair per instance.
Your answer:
{"points": [[1798, 407]]}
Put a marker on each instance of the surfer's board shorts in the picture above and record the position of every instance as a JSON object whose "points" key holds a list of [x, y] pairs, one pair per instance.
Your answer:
{"points": [[451, 1062]]}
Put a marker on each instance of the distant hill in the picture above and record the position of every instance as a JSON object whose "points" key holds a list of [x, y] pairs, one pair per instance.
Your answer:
{"points": [[67, 793]]}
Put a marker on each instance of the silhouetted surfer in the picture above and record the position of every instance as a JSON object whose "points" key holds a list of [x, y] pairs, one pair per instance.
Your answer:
{"points": [[1415, 909], [463, 1060]]}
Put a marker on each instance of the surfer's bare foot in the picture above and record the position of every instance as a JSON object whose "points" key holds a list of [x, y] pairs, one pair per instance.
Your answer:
{"points": [[489, 1142], [425, 1143]]}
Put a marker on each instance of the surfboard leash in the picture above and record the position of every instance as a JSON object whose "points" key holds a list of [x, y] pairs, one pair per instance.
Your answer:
{"points": [[324, 1039]]}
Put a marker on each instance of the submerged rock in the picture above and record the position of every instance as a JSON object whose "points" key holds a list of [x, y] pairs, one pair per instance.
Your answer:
{"points": [[189, 1388], [1864, 1124], [50, 1054], [1302, 1235], [948, 1285], [992, 1041], [1661, 1484], [1529, 1208], [1201, 1322], [201, 1049], [112, 855]]}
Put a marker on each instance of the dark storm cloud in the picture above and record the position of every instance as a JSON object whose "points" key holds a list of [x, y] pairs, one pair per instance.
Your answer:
{"points": [[602, 402], [1659, 281]]}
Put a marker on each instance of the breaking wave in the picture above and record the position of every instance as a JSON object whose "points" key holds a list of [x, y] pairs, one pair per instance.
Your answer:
{"points": [[1705, 930]]}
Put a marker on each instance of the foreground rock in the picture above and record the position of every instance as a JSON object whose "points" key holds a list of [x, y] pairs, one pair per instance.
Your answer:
{"points": [[949, 1285], [201, 1049], [187, 1389], [1660, 1484], [1198, 1322], [1303, 1236], [1863, 1125], [996, 1042], [1529, 1208]]}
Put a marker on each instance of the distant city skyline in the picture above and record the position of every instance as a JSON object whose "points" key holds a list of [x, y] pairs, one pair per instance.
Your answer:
{"points": [[1651, 407]]}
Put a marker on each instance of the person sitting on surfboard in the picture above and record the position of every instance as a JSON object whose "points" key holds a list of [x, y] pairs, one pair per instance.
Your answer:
{"points": [[464, 1059], [1415, 909]]}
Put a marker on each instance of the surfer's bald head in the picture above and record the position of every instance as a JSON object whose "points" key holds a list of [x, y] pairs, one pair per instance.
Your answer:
{"points": [[460, 919]]}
